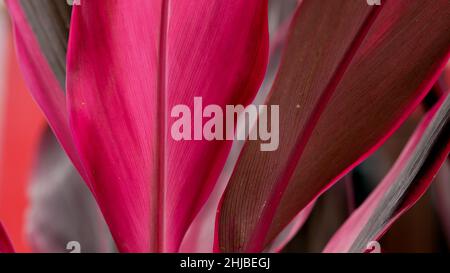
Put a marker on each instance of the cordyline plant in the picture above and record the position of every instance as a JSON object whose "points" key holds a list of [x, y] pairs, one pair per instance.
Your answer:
{"points": [[106, 74]]}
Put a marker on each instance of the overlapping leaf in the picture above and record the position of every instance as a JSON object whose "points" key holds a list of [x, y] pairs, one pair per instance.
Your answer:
{"points": [[387, 78], [341, 94], [406, 182]]}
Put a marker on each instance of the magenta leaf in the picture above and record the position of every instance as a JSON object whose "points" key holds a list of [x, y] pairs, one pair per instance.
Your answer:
{"points": [[129, 63]]}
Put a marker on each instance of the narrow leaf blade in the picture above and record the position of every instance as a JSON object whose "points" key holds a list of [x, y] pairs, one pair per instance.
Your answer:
{"points": [[402, 187], [41, 33]]}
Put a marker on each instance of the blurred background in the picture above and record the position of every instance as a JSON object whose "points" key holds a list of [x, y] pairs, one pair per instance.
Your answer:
{"points": [[44, 203], [21, 125]]}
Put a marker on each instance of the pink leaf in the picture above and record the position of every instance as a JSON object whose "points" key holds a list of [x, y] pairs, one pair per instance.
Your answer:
{"points": [[129, 63]]}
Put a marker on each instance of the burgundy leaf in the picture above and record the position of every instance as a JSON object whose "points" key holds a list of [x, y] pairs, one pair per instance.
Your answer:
{"points": [[201, 234], [386, 80], [330, 212], [290, 230], [312, 23]]}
